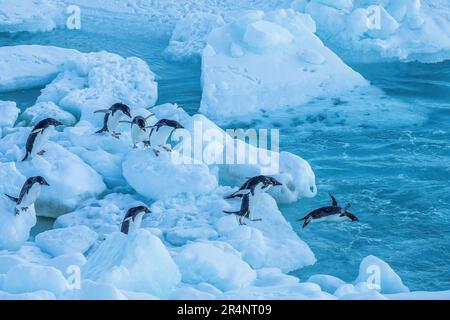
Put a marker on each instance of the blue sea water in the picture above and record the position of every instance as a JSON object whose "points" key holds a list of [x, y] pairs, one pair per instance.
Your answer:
{"points": [[396, 174]]}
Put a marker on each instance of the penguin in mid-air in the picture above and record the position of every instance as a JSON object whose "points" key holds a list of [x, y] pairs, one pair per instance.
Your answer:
{"points": [[133, 219], [161, 131], [244, 211], [255, 184], [112, 118], [29, 193], [248, 193], [39, 137], [332, 213], [139, 130]]}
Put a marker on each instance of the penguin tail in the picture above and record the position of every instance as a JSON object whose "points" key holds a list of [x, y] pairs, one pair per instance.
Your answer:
{"points": [[26, 156], [232, 196], [301, 219], [231, 212], [102, 111], [16, 200]]}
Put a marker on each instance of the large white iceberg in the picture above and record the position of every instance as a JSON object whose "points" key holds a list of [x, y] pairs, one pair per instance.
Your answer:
{"points": [[264, 61], [30, 15], [374, 30]]}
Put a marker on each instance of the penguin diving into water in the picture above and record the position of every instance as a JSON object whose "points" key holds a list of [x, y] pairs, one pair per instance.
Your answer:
{"points": [[39, 137], [255, 184], [29, 193], [112, 118], [139, 130], [333, 213], [161, 131], [133, 219], [249, 193]]}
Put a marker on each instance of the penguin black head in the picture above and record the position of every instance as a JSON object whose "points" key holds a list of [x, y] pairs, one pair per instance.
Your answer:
{"points": [[139, 209], [38, 179], [48, 122], [140, 122], [274, 181], [348, 214], [121, 107]]}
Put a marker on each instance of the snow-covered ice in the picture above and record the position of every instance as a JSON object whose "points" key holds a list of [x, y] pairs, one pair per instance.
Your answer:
{"points": [[30, 15], [374, 30], [260, 61], [9, 113]]}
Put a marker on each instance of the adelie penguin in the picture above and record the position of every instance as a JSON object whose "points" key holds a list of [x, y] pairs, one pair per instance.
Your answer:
{"points": [[333, 213], [29, 193], [251, 188], [253, 185], [133, 219], [139, 130], [161, 131], [112, 118], [39, 137]]}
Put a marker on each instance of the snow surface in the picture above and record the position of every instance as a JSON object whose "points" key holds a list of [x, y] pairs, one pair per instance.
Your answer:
{"points": [[260, 61], [30, 15], [408, 30], [9, 113]]}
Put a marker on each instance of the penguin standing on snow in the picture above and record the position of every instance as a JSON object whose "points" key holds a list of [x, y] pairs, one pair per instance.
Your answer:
{"points": [[332, 213], [248, 191], [133, 219], [29, 193], [255, 184], [161, 131], [139, 130], [112, 118], [39, 137]]}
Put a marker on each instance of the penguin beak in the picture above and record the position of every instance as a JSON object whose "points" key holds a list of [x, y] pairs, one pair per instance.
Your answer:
{"points": [[147, 210], [45, 183], [58, 123], [127, 113]]}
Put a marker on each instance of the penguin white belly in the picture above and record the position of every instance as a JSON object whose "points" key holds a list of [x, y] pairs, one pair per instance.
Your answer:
{"points": [[41, 140], [331, 218], [259, 188], [159, 138], [136, 223], [138, 134], [32, 195], [113, 120]]}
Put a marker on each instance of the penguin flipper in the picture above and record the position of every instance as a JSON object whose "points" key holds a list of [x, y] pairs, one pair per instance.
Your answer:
{"points": [[307, 221], [333, 199], [103, 111], [14, 199], [104, 129], [26, 156]]}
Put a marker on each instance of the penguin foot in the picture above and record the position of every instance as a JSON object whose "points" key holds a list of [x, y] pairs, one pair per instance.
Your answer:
{"points": [[135, 146], [146, 143], [156, 152], [41, 153], [167, 149], [24, 209], [16, 212], [116, 134]]}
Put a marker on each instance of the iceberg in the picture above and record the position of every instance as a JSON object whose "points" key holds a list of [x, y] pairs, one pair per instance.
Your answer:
{"points": [[265, 61]]}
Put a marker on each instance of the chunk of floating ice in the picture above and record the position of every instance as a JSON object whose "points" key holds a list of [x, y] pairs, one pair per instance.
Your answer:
{"points": [[380, 276], [43, 110], [216, 263], [9, 113], [326, 282], [30, 15], [77, 239], [270, 72], [135, 262]]}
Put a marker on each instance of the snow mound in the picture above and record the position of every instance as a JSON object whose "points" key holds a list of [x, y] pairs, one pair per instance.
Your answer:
{"points": [[9, 113], [135, 262], [63, 195], [159, 177], [77, 239], [326, 282], [43, 110], [30, 15], [189, 36], [14, 229], [216, 263], [260, 61], [29, 278], [378, 274], [373, 30]]}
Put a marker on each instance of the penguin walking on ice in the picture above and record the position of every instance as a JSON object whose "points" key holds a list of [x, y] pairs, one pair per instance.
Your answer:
{"points": [[333, 213], [39, 137], [113, 116], [249, 193], [139, 130], [255, 184], [161, 131], [29, 193], [133, 219]]}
